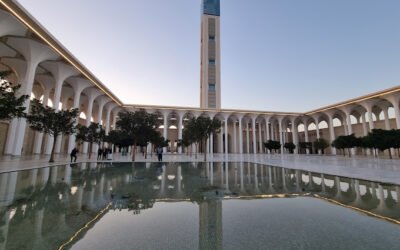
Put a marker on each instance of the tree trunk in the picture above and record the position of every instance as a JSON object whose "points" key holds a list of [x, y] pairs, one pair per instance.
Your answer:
{"points": [[390, 154], [90, 149], [205, 150], [195, 152], [134, 151], [349, 151], [53, 148]]}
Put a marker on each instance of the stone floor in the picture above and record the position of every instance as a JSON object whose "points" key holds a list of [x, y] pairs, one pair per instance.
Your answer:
{"points": [[381, 170]]}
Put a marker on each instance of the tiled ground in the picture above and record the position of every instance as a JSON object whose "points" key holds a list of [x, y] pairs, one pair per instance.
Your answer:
{"points": [[382, 170]]}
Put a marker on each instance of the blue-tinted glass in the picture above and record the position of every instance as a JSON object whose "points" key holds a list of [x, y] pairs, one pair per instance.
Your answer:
{"points": [[211, 87], [211, 7], [211, 62]]}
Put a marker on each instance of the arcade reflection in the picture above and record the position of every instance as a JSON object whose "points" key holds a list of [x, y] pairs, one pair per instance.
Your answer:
{"points": [[45, 208]]}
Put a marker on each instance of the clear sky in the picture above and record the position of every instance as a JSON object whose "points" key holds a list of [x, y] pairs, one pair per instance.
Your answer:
{"points": [[277, 55]]}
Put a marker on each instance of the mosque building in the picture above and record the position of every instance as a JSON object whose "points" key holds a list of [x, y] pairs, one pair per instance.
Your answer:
{"points": [[48, 71]]}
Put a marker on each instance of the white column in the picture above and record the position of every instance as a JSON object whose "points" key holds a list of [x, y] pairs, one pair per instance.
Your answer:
{"points": [[180, 119], [165, 130], [78, 86], [253, 121], [34, 53], [221, 140], [332, 133], [370, 119], [247, 137], [234, 138], [386, 117], [281, 134], [317, 130], [226, 135], [306, 135], [272, 131], [37, 147], [260, 142], [364, 125], [212, 143], [240, 135], [294, 135], [89, 112]]}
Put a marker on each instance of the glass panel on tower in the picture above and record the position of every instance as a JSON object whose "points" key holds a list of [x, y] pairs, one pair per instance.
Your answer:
{"points": [[211, 7]]}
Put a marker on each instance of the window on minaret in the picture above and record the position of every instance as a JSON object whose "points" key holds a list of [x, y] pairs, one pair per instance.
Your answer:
{"points": [[211, 38], [211, 87], [212, 62]]}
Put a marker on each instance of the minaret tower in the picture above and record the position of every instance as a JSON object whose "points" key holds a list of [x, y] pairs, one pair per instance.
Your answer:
{"points": [[210, 86]]}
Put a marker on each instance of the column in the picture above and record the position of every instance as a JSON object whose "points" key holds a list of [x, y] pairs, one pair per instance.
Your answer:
{"points": [[272, 131], [247, 138], [370, 119], [165, 130], [294, 135], [281, 134], [37, 147], [221, 141], [180, 119], [386, 117], [317, 130], [332, 133], [234, 138], [253, 124], [306, 135], [212, 143], [260, 142], [240, 135], [226, 135]]}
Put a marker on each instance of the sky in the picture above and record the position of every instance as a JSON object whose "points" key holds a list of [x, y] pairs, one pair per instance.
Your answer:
{"points": [[277, 55]]}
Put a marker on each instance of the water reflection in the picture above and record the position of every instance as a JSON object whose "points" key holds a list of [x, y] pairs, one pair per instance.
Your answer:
{"points": [[44, 208]]}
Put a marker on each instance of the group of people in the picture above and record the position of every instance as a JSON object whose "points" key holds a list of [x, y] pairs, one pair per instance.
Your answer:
{"points": [[102, 153]]}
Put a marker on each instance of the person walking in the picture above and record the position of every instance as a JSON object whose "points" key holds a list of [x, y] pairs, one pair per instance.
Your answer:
{"points": [[73, 154], [99, 153], [159, 153]]}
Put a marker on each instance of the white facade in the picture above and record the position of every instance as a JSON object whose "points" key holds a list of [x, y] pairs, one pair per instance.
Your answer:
{"points": [[47, 70]]}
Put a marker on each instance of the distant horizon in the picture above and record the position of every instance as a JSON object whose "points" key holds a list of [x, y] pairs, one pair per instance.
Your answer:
{"points": [[278, 57]]}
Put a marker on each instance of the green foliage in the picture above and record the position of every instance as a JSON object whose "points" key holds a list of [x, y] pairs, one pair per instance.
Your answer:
{"points": [[50, 121], [347, 142], [92, 134], [272, 145], [10, 105], [197, 130], [289, 146], [321, 144], [139, 125]]}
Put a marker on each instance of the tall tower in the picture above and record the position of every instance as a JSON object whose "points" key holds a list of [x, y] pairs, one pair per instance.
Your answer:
{"points": [[210, 86]]}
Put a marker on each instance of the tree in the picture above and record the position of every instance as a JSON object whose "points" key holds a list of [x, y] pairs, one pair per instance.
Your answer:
{"points": [[50, 121], [92, 134], [347, 142], [10, 105], [321, 144], [289, 146], [200, 129], [272, 145], [138, 125], [305, 145]]}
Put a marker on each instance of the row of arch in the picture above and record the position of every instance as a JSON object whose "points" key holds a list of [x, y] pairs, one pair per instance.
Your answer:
{"points": [[46, 75]]}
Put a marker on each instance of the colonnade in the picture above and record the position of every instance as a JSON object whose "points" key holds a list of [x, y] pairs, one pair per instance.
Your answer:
{"points": [[47, 71], [247, 131]]}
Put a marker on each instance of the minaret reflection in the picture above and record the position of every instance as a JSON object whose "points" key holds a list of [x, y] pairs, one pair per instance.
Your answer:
{"points": [[64, 198], [210, 222]]}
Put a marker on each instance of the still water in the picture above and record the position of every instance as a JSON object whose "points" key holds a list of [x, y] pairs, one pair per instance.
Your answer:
{"points": [[194, 206]]}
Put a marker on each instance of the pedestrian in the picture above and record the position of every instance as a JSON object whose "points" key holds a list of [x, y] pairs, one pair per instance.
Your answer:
{"points": [[159, 153], [73, 154], [105, 153], [99, 154]]}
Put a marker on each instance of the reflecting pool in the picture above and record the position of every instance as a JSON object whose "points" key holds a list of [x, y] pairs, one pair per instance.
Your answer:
{"points": [[194, 206]]}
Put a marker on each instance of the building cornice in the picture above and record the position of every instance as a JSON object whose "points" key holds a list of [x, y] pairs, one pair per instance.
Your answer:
{"points": [[32, 24]]}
